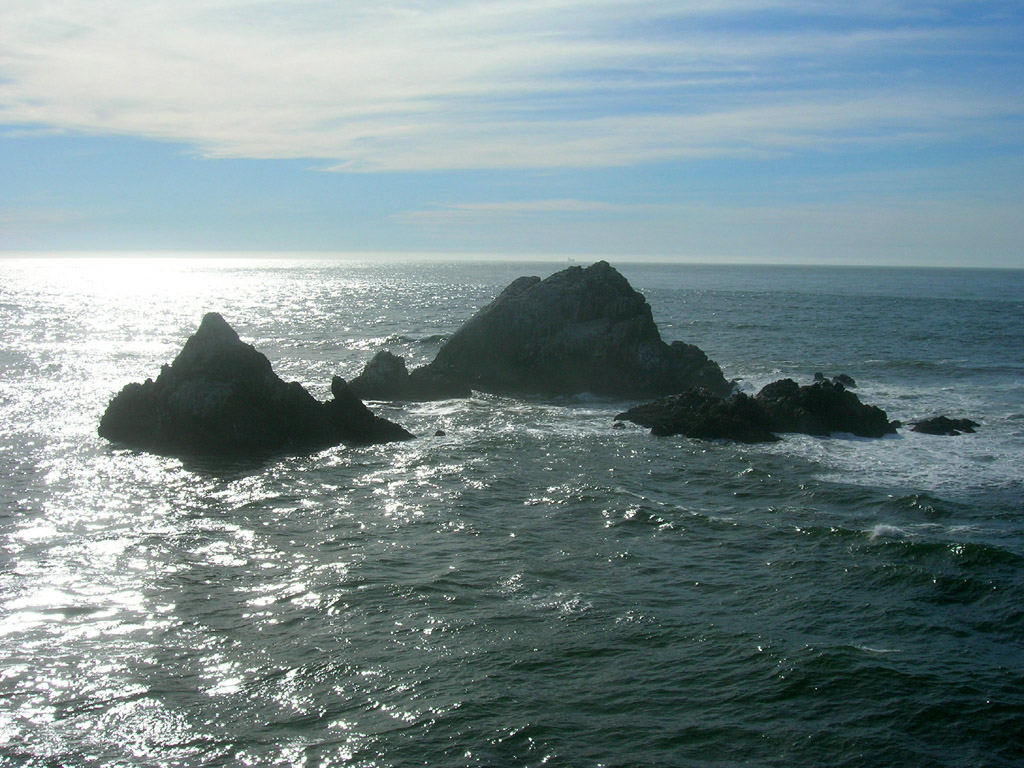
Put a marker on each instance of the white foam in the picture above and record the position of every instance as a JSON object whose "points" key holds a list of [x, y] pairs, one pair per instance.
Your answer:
{"points": [[883, 531], [869, 649]]}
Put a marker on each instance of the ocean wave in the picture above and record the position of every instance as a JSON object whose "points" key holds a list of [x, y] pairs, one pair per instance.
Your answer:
{"points": [[884, 531]]}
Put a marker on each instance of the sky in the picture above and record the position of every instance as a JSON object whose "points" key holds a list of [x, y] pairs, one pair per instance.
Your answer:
{"points": [[780, 131]]}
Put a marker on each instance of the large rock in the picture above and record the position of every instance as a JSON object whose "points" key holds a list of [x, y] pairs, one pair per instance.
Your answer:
{"points": [[221, 396], [578, 331], [783, 406]]}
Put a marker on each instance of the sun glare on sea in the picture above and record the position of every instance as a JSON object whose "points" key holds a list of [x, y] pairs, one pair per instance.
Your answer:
{"points": [[129, 276]]}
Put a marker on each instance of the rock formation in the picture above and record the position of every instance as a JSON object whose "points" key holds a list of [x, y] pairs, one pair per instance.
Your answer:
{"points": [[821, 409], [943, 425], [578, 331], [783, 406], [700, 414], [385, 377], [221, 396], [842, 378]]}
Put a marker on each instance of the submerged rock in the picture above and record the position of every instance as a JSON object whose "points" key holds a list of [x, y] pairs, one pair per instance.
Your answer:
{"points": [[783, 406], [578, 331], [943, 425], [221, 396]]}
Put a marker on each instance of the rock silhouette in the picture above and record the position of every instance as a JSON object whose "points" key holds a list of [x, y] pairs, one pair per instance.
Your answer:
{"points": [[820, 409], [221, 396], [578, 331], [842, 378], [385, 377], [698, 413], [943, 425]]}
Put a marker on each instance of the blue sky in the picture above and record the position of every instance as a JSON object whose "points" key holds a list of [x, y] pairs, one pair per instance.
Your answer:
{"points": [[788, 131]]}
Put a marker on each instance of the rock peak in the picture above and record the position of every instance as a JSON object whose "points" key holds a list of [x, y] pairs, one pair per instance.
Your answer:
{"points": [[603, 268], [214, 328], [579, 330], [216, 351]]}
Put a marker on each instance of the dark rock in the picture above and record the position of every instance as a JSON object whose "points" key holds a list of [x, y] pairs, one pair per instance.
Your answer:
{"points": [[842, 378], [783, 406], [699, 413], [221, 396], [439, 433], [429, 384], [943, 425], [386, 377], [821, 409], [353, 422], [580, 330]]}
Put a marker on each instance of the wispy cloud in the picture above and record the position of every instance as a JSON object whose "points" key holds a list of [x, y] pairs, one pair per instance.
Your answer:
{"points": [[882, 231], [518, 84], [568, 205], [23, 222]]}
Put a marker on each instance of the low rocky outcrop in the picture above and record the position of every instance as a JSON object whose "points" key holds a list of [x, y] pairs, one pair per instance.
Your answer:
{"points": [[220, 396], [701, 414], [822, 408], [844, 379], [386, 377], [943, 425], [578, 331], [783, 406]]}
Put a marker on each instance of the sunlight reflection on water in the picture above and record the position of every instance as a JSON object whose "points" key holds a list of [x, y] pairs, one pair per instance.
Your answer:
{"points": [[364, 603]]}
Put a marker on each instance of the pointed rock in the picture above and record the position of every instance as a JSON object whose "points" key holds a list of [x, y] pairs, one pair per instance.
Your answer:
{"points": [[221, 396]]}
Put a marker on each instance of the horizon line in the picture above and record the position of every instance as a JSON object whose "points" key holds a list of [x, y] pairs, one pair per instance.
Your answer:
{"points": [[572, 259]]}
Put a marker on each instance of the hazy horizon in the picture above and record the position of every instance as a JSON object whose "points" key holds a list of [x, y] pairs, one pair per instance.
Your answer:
{"points": [[399, 257]]}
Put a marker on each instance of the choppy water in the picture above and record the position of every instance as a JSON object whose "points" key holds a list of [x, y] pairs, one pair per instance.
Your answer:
{"points": [[534, 587]]}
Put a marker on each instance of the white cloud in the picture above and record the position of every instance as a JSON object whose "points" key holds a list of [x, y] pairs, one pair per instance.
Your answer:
{"points": [[516, 84]]}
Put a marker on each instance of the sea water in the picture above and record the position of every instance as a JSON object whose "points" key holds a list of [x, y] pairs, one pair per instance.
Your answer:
{"points": [[532, 587]]}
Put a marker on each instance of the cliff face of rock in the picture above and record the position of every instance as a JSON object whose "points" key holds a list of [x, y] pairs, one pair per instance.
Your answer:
{"points": [[578, 331], [221, 396]]}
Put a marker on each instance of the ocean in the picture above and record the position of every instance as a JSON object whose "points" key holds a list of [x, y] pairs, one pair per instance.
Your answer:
{"points": [[532, 587]]}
